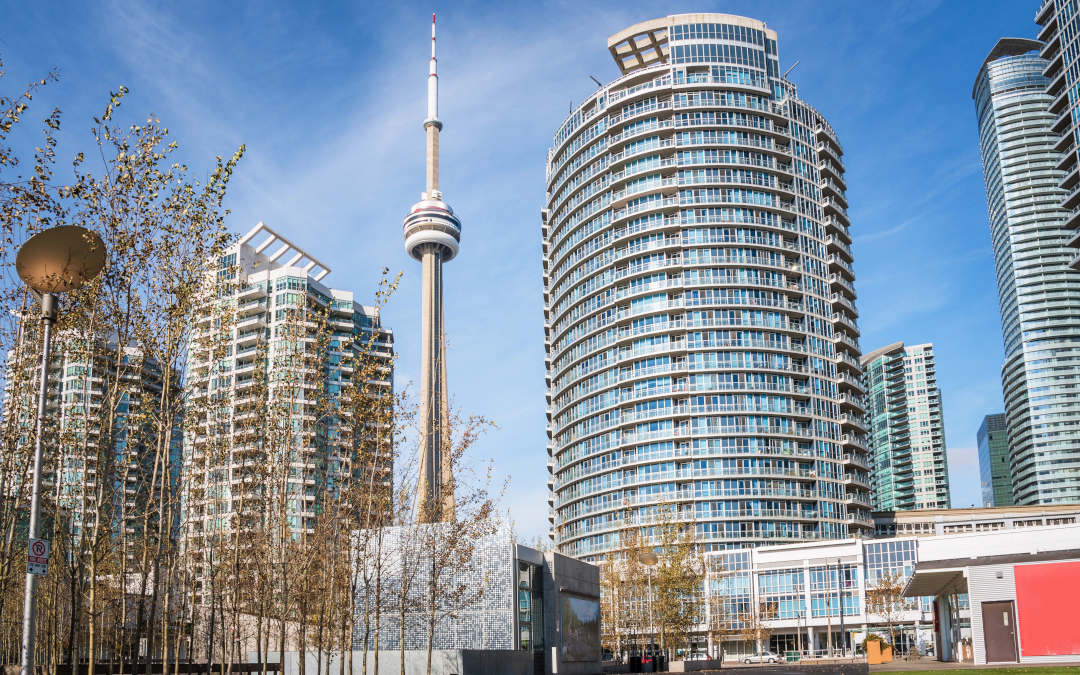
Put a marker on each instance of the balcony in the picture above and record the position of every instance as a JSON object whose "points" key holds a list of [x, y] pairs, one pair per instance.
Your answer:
{"points": [[855, 479], [852, 382], [1072, 199], [855, 440], [1072, 221], [851, 400], [833, 207], [1074, 240], [249, 337], [1045, 16], [841, 299], [1062, 122], [1067, 162], [826, 152], [254, 291], [1052, 42], [823, 134], [1065, 140], [857, 498], [1054, 70], [837, 264], [832, 225], [1071, 176], [842, 339], [857, 520], [1060, 103], [857, 460], [1074, 264], [251, 308], [834, 191], [835, 245], [842, 285], [257, 321]]}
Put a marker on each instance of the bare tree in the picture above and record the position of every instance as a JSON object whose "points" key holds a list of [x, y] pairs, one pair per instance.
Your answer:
{"points": [[756, 627], [449, 542], [719, 619], [885, 599]]}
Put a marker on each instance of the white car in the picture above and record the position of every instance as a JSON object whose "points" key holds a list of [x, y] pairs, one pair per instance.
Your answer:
{"points": [[764, 657]]}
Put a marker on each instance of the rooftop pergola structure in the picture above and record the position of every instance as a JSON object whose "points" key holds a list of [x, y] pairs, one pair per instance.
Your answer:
{"points": [[640, 45]]}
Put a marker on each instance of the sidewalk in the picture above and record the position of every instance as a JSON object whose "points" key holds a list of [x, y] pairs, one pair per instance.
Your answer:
{"points": [[931, 664]]}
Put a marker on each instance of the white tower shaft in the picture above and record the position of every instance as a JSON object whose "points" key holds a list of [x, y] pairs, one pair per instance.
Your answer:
{"points": [[432, 124], [432, 233]]}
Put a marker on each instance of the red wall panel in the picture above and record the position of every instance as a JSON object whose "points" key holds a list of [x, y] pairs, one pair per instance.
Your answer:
{"points": [[1047, 601]]}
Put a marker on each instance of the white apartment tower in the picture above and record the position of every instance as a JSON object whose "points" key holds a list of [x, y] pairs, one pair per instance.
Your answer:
{"points": [[273, 289], [906, 429], [700, 321]]}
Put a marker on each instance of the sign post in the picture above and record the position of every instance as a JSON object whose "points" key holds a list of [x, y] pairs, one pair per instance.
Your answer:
{"points": [[37, 557]]}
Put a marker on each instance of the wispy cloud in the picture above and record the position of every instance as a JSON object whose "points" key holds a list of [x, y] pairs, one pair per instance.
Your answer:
{"points": [[329, 98]]}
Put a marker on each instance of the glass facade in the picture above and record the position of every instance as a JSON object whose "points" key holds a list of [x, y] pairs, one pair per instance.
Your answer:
{"points": [[995, 479], [701, 330], [1026, 134], [906, 429]]}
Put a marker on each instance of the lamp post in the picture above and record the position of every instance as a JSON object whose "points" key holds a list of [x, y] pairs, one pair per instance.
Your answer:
{"points": [[649, 559], [840, 604], [53, 261]]}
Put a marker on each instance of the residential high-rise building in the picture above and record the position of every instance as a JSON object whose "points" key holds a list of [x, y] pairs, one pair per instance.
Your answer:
{"points": [[701, 336], [994, 474], [1023, 106], [432, 233], [906, 429], [96, 477], [266, 367]]}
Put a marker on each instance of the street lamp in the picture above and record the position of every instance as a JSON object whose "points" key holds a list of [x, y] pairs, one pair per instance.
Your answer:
{"points": [[53, 261], [649, 559], [840, 602]]}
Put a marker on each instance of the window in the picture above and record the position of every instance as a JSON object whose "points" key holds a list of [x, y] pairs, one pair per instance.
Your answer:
{"points": [[895, 556]]}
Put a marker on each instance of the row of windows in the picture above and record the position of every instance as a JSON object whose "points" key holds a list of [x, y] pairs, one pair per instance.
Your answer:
{"points": [[706, 53], [722, 31]]}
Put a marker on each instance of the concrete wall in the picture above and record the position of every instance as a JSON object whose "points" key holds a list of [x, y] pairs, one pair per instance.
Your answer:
{"points": [[443, 662], [564, 575], [1003, 542]]}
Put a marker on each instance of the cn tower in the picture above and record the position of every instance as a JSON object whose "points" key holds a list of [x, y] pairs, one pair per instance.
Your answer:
{"points": [[432, 233]]}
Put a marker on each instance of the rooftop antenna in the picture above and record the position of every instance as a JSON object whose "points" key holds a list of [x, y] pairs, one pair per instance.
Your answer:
{"points": [[791, 69], [596, 81]]}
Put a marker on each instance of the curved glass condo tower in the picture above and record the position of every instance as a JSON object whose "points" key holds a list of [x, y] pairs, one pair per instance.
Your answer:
{"points": [[701, 336], [1022, 137]]}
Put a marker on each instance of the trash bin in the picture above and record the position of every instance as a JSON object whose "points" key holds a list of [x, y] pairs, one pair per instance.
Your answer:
{"points": [[635, 664], [792, 656]]}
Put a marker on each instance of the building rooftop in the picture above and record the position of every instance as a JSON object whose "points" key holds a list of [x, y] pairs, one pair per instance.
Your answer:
{"points": [[298, 254], [646, 44], [1007, 46]]}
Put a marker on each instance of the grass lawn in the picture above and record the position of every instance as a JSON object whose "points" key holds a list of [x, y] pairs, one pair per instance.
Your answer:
{"points": [[1041, 670]]}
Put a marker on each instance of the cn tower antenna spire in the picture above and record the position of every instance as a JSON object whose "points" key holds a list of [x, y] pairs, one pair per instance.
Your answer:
{"points": [[432, 235]]}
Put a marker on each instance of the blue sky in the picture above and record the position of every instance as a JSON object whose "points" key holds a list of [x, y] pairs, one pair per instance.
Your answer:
{"points": [[329, 99]]}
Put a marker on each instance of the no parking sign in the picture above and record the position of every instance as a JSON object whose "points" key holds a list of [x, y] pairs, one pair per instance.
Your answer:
{"points": [[37, 557]]}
